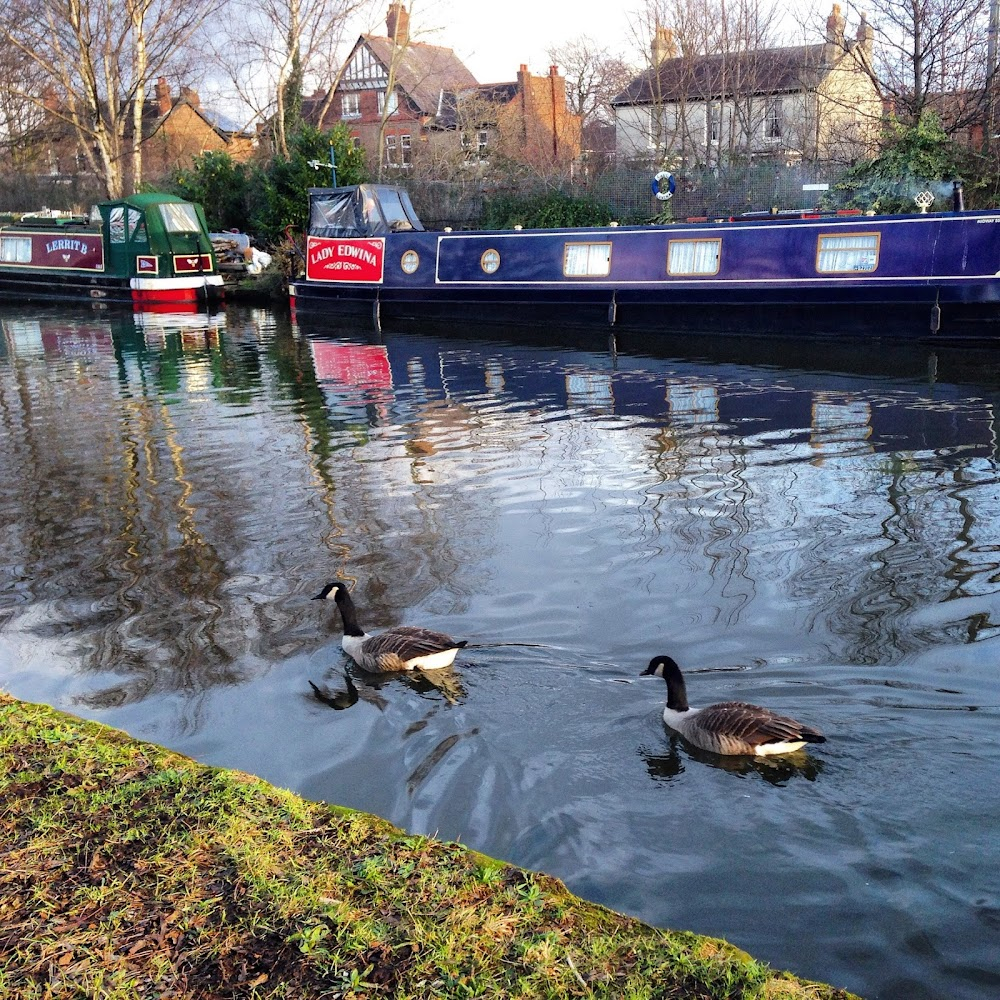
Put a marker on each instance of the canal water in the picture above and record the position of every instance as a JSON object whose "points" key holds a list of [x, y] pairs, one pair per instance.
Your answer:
{"points": [[813, 527]]}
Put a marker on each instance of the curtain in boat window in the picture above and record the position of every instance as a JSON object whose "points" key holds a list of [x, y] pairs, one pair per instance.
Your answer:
{"points": [[857, 252], [693, 256], [15, 249]]}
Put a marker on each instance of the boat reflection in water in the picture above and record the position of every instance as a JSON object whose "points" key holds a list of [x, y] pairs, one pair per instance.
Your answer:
{"points": [[810, 394], [194, 329], [94, 333]]}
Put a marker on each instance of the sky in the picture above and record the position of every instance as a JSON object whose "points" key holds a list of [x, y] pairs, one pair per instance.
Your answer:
{"points": [[493, 39]]}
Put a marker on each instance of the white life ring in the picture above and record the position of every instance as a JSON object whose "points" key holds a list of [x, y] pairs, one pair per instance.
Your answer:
{"points": [[658, 190]]}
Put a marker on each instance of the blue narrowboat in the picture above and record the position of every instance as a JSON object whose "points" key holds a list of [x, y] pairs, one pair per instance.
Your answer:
{"points": [[367, 252], [149, 250]]}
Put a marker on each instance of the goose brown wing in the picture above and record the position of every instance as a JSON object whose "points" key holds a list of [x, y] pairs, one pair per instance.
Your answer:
{"points": [[408, 642], [754, 725]]}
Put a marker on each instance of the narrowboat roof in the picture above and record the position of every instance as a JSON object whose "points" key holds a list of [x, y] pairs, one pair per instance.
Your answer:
{"points": [[361, 210]]}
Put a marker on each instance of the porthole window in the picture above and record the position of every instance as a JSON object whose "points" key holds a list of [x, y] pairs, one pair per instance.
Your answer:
{"points": [[410, 261], [490, 261]]}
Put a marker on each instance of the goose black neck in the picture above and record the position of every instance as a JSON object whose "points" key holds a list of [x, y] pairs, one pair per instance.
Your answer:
{"points": [[677, 699], [348, 614]]}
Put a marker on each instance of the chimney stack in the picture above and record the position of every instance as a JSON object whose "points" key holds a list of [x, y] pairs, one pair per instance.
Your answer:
{"points": [[835, 25], [866, 35], [664, 46], [397, 23], [163, 102]]}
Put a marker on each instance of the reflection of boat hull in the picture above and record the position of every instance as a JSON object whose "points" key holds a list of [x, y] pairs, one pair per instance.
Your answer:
{"points": [[147, 251], [807, 396], [814, 274]]}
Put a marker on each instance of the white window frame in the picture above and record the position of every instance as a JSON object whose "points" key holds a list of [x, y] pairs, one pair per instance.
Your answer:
{"points": [[393, 102], [405, 150], [390, 149], [772, 120], [713, 123], [350, 104]]}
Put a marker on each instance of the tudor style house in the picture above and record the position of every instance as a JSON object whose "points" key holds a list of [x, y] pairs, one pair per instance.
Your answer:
{"points": [[814, 102], [403, 100]]}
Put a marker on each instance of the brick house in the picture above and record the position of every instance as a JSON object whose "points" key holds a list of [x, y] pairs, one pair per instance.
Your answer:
{"points": [[175, 128], [433, 107], [789, 103]]}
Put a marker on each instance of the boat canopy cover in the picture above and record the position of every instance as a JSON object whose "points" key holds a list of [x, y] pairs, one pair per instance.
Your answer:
{"points": [[361, 210]]}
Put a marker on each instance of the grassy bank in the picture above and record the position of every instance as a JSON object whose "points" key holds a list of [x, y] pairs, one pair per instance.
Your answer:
{"points": [[128, 871]]}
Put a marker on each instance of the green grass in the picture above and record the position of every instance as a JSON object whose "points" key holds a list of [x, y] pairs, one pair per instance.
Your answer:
{"points": [[128, 871]]}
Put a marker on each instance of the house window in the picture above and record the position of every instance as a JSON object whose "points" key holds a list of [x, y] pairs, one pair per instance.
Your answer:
{"points": [[772, 122], [15, 249], [404, 150], [714, 123], [482, 139], [392, 102], [350, 105], [693, 256], [847, 254], [390, 149], [355, 142], [587, 260]]}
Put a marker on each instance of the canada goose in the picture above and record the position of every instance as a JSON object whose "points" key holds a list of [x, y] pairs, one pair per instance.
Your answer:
{"points": [[401, 648], [729, 727]]}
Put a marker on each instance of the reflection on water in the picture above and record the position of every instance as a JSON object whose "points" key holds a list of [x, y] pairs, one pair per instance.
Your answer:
{"points": [[776, 770], [815, 525]]}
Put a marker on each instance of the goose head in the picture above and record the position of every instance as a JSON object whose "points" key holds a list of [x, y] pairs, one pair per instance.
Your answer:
{"points": [[666, 667], [335, 591]]}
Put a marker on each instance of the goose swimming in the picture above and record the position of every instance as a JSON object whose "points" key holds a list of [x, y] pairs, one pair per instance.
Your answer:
{"points": [[403, 647], [728, 727]]}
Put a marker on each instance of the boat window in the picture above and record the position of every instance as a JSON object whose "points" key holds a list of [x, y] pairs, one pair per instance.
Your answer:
{"points": [[180, 217], [15, 249], [396, 216], [838, 254], [693, 256], [409, 262], [586, 260], [490, 261]]}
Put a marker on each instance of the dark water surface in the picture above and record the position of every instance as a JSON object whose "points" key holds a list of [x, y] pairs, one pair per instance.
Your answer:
{"points": [[813, 528]]}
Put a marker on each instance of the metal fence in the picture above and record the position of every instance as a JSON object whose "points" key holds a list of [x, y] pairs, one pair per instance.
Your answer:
{"points": [[627, 191]]}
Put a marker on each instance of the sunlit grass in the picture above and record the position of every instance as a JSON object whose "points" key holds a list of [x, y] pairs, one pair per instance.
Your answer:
{"points": [[128, 871]]}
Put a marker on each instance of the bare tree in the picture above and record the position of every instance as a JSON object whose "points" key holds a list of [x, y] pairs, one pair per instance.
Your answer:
{"points": [[708, 73], [97, 57], [22, 120], [288, 43], [931, 55], [594, 75]]}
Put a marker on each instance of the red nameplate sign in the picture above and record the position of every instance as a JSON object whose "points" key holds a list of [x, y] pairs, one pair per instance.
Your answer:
{"points": [[344, 260]]}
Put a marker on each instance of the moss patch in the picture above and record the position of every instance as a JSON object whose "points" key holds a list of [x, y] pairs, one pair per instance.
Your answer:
{"points": [[128, 871]]}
